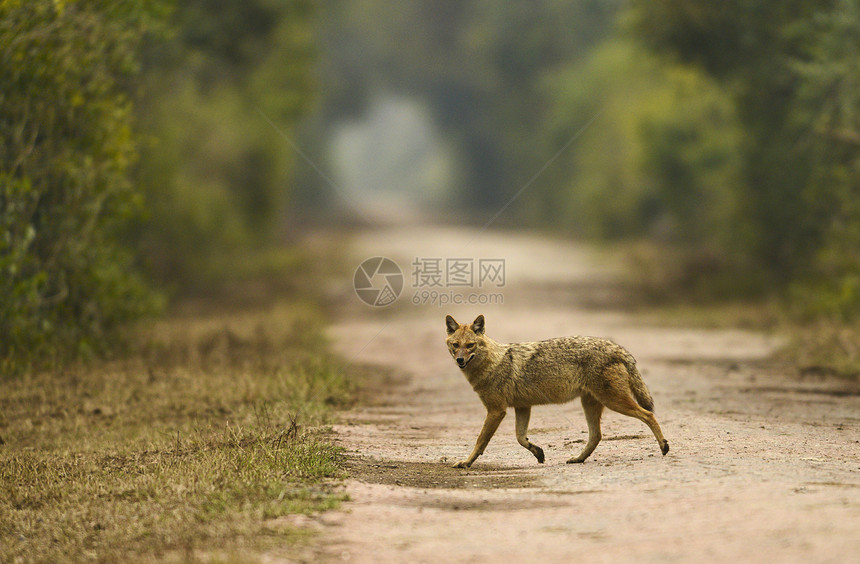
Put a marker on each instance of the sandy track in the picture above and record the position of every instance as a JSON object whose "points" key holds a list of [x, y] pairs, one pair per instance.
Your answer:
{"points": [[762, 467]]}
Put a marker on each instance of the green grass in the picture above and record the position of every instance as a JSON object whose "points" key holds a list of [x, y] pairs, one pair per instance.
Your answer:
{"points": [[190, 450]]}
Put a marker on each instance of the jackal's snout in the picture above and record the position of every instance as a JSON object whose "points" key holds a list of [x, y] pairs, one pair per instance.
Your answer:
{"points": [[463, 361]]}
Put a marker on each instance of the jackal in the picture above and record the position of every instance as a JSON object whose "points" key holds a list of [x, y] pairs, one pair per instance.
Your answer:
{"points": [[521, 375]]}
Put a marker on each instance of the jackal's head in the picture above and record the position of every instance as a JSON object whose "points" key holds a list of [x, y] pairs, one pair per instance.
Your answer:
{"points": [[466, 343]]}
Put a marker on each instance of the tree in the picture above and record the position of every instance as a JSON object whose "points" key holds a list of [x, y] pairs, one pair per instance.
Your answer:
{"points": [[65, 194], [478, 66], [791, 68], [215, 173]]}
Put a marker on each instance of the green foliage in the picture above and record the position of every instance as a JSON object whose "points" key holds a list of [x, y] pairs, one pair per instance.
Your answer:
{"points": [[477, 66], [216, 173], [65, 194], [727, 133], [828, 106], [660, 161], [791, 68], [131, 135]]}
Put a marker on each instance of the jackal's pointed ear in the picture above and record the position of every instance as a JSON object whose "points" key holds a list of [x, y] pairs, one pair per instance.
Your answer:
{"points": [[478, 325], [450, 324]]}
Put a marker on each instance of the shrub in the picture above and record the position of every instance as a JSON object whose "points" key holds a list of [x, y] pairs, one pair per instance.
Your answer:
{"points": [[65, 195]]}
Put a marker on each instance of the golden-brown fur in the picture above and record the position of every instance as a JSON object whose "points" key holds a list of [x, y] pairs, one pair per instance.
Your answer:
{"points": [[521, 375]]}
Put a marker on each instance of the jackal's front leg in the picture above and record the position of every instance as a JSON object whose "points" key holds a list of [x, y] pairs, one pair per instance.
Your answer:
{"points": [[523, 415], [491, 423]]}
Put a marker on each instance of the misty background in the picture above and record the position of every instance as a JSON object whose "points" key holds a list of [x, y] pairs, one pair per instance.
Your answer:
{"points": [[151, 146]]}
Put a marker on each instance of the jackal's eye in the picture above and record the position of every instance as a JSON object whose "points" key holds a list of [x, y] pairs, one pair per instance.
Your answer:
{"points": [[470, 346], [455, 345]]}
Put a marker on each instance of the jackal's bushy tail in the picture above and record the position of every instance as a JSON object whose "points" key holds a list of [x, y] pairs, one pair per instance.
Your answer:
{"points": [[637, 386]]}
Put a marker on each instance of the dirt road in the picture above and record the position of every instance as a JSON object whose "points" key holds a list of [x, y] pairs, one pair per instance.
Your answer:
{"points": [[762, 467]]}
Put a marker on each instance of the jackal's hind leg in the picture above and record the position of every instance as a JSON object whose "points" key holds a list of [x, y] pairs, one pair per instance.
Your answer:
{"points": [[593, 410], [617, 397], [633, 409], [523, 414]]}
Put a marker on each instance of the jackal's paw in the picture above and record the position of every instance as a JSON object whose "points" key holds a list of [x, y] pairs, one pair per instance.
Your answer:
{"points": [[576, 460], [462, 464], [665, 447], [538, 452]]}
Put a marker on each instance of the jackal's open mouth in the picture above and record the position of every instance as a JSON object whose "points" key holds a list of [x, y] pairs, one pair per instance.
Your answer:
{"points": [[465, 362]]}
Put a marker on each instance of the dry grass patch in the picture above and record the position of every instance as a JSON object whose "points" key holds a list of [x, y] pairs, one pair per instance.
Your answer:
{"points": [[190, 450], [826, 348]]}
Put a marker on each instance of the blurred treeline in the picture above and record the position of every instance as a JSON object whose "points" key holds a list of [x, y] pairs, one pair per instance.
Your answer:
{"points": [[727, 134], [138, 149], [135, 156]]}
